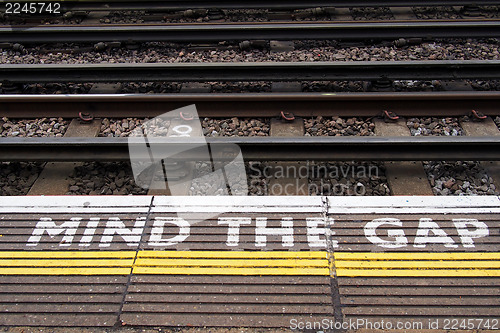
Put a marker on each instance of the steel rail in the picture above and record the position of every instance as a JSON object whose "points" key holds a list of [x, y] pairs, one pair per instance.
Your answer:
{"points": [[173, 5], [265, 71], [254, 104], [206, 32], [261, 149]]}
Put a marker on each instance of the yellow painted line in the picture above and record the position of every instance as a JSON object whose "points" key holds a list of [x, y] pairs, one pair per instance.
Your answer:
{"points": [[234, 254], [417, 273], [408, 264], [249, 263], [232, 262], [64, 271], [230, 271], [164, 262], [66, 263], [66, 254], [416, 256], [417, 264]]}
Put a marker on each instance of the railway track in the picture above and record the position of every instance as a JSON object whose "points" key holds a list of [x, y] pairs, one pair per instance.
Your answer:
{"points": [[207, 32], [254, 104], [280, 5], [257, 149], [280, 71]]}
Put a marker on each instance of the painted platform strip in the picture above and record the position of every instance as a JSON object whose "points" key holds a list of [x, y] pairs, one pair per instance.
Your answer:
{"points": [[163, 262], [232, 263], [66, 262], [63, 259], [248, 263], [417, 264]]}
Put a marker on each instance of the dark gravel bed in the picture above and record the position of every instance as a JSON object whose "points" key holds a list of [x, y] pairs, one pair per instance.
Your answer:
{"points": [[254, 87], [42, 127], [235, 127], [371, 13], [459, 49], [433, 13], [213, 15], [348, 179], [339, 179], [50, 89], [207, 183], [485, 85], [344, 178], [428, 126], [97, 178], [253, 15], [448, 12], [212, 127], [451, 178], [149, 88], [459, 178], [490, 11], [119, 17], [16, 178], [119, 127], [240, 87], [335, 86], [338, 126]]}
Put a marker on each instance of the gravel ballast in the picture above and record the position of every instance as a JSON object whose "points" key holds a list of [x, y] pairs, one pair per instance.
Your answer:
{"points": [[159, 52], [265, 87], [436, 13], [348, 179], [451, 178], [256, 15], [43, 127], [371, 13], [119, 127], [429, 126], [16, 178], [213, 127], [97, 178], [338, 126]]}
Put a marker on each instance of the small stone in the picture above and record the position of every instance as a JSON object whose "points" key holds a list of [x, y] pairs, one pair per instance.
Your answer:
{"points": [[449, 183]]}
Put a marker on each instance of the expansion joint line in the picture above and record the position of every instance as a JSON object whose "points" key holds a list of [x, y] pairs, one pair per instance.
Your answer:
{"points": [[129, 280], [334, 286]]}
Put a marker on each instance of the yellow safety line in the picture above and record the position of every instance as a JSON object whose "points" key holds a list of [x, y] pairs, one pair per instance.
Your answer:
{"points": [[408, 264], [231, 271], [164, 262], [416, 264], [66, 263], [64, 271], [416, 256], [234, 254], [232, 262], [66, 254], [416, 273]]}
